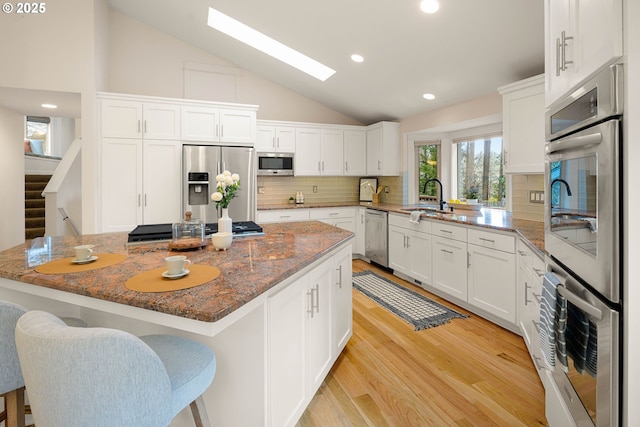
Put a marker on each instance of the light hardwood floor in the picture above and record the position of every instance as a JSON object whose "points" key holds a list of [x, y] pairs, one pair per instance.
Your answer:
{"points": [[468, 372]]}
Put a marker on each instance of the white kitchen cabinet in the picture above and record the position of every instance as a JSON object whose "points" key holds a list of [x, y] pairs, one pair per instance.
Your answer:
{"points": [[342, 301], [383, 149], [358, 247], [492, 274], [580, 38], [318, 152], [338, 217], [309, 322], [283, 215], [355, 152], [136, 119], [450, 266], [523, 132], [276, 139], [211, 124], [410, 248], [140, 183]]}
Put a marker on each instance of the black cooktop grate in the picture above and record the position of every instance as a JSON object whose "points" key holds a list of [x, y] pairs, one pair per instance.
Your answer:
{"points": [[151, 232]]}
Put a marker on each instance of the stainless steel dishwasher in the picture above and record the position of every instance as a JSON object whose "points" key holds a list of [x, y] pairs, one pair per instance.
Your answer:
{"points": [[376, 238]]}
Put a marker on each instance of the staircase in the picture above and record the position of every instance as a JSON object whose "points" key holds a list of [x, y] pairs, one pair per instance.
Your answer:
{"points": [[34, 205]]}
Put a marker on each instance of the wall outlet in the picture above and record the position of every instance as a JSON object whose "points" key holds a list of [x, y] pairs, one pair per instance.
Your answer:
{"points": [[260, 190], [536, 196], [315, 188]]}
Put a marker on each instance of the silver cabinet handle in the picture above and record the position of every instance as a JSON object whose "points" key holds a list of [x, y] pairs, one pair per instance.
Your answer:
{"points": [[539, 272], [217, 131], [221, 131], [558, 57], [468, 259], [138, 126], [277, 142], [526, 293], [310, 303], [379, 165], [522, 253], [285, 216], [339, 270], [319, 167], [145, 200], [536, 361], [315, 290], [408, 244], [564, 51], [145, 127], [446, 231], [346, 166], [486, 240], [446, 251], [139, 199]]}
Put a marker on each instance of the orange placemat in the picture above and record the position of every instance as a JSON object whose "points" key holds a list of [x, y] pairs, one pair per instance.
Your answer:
{"points": [[152, 280], [64, 265]]}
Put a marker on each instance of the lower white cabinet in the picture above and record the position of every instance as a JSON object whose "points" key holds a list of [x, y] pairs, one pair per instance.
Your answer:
{"points": [[338, 217], [309, 323], [410, 248], [450, 266], [358, 246], [283, 215]]}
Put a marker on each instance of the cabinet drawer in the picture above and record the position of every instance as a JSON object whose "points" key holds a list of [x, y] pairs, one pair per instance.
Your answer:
{"points": [[491, 240], [283, 215], [330, 213], [442, 229], [403, 222]]}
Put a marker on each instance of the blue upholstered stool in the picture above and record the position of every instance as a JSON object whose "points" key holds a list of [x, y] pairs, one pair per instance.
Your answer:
{"points": [[103, 377], [11, 381]]}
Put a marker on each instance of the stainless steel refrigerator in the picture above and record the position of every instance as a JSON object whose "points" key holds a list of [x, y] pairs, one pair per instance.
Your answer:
{"points": [[200, 166]]}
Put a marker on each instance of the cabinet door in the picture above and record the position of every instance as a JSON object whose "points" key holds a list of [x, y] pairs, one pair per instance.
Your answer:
{"points": [[308, 153], [332, 152], [419, 253], [238, 126], [398, 252], [342, 301], [286, 352], [121, 119], [557, 20], [318, 336], [355, 153], [161, 181], [285, 139], [492, 282], [374, 151], [161, 121], [121, 181], [200, 124], [360, 231], [265, 139], [525, 303], [450, 266]]}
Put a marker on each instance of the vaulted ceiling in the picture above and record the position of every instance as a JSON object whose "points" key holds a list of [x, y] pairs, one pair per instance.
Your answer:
{"points": [[466, 49]]}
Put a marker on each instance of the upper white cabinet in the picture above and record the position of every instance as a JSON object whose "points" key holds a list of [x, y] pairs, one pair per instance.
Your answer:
{"points": [[211, 124], [355, 152], [383, 149], [523, 125], [580, 38], [318, 152], [276, 139], [136, 119]]}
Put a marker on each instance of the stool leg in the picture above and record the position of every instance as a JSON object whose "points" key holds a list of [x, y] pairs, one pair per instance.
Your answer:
{"points": [[14, 403], [199, 413]]}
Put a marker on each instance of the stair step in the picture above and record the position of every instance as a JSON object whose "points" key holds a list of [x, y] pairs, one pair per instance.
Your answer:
{"points": [[34, 212], [35, 186], [34, 203], [34, 222], [28, 195], [37, 178], [32, 233]]}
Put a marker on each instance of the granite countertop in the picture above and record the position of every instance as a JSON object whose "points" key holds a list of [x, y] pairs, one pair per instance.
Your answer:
{"points": [[497, 219], [250, 267]]}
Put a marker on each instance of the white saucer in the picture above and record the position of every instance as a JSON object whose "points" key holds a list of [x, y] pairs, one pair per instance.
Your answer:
{"points": [[175, 276], [84, 261]]}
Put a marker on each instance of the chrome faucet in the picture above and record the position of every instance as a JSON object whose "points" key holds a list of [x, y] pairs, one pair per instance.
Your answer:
{"points": [[564, 182], [424, 191]]}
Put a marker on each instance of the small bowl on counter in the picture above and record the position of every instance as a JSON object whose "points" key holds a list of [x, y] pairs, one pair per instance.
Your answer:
{"points": [[222, 240]]}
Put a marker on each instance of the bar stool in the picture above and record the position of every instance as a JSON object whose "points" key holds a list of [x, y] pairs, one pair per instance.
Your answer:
{"points": [[104, 377], [11, 381]]}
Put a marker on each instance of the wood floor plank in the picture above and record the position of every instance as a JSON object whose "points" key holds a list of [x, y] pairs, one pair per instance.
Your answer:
{"points": [[468, 372]]}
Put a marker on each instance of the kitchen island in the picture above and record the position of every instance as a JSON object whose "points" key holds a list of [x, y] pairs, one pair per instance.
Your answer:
{"points": [[278, 299]]}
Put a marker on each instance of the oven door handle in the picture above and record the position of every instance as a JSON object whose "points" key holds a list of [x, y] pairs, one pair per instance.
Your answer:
{"points": [[571, 143], [580, 303]]}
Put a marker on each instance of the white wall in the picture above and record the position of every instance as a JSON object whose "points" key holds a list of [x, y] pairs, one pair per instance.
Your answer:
{"points": [[631, 235], [145, 61], [12, 178]]}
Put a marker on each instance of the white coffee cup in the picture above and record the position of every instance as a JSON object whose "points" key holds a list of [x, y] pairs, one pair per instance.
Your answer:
{"points": [[83, 252], [176, 264]]}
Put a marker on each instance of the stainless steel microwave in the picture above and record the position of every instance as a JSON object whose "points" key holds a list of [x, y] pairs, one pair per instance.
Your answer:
{"points": [[275, 164]]}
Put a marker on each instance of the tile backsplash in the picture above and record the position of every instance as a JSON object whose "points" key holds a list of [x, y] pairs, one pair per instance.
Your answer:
{"points": [[277, 190], [521, 205]]}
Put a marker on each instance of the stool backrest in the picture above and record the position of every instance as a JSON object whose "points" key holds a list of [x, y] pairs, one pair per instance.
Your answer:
{"points": [[90, 376], [10, 373]]}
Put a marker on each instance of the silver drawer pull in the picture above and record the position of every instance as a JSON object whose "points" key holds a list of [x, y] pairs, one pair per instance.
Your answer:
{"points": [[486, 240], [446, 251], [446, 231]]}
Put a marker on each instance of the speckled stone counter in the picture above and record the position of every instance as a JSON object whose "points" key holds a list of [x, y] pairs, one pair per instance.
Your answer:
{"points": [[250, 267], [499, 219]]}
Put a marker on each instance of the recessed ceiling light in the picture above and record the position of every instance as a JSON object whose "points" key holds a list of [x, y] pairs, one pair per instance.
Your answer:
{"points": [[48, 106], [429, 6], [429, 96], [357, 58], [266, 44]]}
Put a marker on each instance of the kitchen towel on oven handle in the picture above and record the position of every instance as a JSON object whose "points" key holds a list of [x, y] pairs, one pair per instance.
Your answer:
{"points": [[548, 322]]}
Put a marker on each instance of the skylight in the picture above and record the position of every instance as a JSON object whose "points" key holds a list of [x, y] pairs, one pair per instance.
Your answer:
{"points": [[241, 32]]}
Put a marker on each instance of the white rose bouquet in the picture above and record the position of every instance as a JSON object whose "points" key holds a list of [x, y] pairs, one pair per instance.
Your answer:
{"points": [[227, 185]]}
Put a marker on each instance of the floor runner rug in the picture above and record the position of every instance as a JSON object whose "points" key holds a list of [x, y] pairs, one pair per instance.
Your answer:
{"points": [[420, 311]]}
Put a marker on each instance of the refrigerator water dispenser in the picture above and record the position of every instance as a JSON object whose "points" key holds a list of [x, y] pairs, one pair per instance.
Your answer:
{"points": [[198, 186]]}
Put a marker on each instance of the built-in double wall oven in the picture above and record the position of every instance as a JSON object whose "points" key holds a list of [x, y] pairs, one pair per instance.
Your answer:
{"points": [[582, 288]]}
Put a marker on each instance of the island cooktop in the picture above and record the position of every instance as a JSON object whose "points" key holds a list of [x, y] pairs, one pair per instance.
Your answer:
{"points": [[157, 232]]}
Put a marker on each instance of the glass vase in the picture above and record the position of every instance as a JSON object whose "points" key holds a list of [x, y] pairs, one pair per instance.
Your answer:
{"points": [[224, 222]]}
